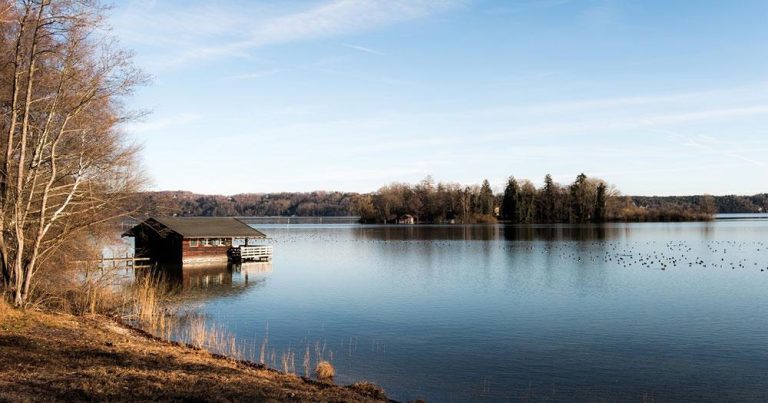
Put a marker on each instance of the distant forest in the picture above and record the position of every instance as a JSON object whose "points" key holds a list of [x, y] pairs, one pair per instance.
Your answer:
{"points": [[310, 204], [724, 204], [584, 200]]}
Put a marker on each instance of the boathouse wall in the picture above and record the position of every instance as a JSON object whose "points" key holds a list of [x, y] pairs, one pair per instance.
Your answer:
{"points": [[163, 249], [204, 253]]}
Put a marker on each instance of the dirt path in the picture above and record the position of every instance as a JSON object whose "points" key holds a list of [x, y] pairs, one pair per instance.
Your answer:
{"points": [[61, 357]]}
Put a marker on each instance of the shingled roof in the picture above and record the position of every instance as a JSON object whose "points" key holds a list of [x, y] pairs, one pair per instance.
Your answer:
{"points": [[201, 227]]}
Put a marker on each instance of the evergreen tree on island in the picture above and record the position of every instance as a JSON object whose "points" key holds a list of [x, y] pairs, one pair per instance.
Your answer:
{"points": [[547, 203], [486, 198], [509, 203]]}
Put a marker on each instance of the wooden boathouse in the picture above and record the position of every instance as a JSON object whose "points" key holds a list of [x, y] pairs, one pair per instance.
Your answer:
{"points": [[198, 240]]}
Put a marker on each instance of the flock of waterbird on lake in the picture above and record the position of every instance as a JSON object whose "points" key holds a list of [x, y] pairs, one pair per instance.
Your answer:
{"points": [[714, 254], [671, 254]]}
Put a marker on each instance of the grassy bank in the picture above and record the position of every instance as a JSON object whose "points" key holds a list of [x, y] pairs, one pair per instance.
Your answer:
{"points": [[49, 356]]}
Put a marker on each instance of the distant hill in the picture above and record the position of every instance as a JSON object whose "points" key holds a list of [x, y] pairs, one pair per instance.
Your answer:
{"points": [[725, 204], [336, 204], [310, 204]]}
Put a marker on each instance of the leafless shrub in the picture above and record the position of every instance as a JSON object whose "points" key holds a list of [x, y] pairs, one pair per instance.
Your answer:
{"points": [[324, 371]]}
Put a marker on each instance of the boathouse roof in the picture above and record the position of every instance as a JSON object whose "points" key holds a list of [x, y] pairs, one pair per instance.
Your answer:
{"points": [[200, 227]]}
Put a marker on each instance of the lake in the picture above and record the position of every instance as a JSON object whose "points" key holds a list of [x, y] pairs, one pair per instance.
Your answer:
{"points": [[654, 311]]}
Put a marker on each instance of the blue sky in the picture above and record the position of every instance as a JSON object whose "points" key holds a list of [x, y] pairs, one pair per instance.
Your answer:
{"points": [[656, 97]]}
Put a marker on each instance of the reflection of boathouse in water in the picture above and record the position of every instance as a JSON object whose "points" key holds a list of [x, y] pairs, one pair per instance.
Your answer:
{"points": [[215, 278], [204, 281], [231, 275], [198, 240]]}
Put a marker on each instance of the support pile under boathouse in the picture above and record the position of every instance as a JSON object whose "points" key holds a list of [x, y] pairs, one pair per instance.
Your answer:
{"points": [[198, 240]]}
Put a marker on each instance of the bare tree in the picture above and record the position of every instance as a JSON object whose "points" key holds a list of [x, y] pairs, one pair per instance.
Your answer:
{"points": [[65, 166]]}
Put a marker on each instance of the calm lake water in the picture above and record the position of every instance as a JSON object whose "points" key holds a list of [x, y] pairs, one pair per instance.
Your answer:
{"points": [[660, 312]]}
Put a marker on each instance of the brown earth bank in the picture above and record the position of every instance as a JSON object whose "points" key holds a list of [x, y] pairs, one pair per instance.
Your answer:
{"points": [[57, 357]]}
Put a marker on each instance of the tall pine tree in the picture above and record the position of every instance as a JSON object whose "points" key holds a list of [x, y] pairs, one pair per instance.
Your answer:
{"points": [[547, 202], [509, 203], [486, 198]]}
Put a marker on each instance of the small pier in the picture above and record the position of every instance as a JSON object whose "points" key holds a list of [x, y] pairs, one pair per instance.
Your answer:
{"points": [[115, 262], [251, 253]]}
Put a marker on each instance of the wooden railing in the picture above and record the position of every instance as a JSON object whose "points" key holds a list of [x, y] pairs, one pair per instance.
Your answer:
{"points": [[258, 253]]}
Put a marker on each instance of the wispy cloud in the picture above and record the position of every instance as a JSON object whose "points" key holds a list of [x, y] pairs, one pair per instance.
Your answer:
{"points": [[747, 159], [575, 125], [517, 7], [235, 35], [603, 13], [520, 127], [363, 49], [719, 96], [711, 114], [340, 17], [255, 74], [711, 145]]}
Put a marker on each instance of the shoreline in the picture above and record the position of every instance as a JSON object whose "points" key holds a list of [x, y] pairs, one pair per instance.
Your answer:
{"points": [[52, 356]]}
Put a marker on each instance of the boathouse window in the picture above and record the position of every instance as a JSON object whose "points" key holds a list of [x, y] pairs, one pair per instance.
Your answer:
{"points": [[193, 243], [206, 242], [216, 242]]}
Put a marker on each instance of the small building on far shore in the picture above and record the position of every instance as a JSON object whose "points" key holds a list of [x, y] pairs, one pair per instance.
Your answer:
{"points": [[192, 239], [406, 219]]}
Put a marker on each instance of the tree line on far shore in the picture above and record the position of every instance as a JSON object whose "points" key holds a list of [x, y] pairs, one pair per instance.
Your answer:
{"points": [[303, 204], [584, 200], [427, 201]]}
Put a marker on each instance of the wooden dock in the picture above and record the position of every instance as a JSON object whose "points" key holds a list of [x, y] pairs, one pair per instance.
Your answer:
{"points": [[126, 261], [251, 253]]}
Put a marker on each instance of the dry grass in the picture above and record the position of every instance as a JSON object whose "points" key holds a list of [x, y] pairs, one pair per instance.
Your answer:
{"points": [[145, 301], [194, 331], [324, 371], [288, 360], [263, 348], [147, 305], [79, 288], [8, 315], [369, 389], [97, 292], [4, 307], [150, 309], [307, 363], [65, 358]]}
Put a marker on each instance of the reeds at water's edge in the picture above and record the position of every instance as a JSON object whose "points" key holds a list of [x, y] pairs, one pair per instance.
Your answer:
{"points": [[150, 308]]}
